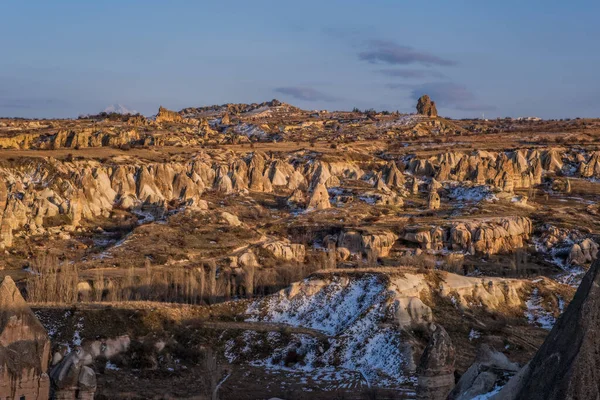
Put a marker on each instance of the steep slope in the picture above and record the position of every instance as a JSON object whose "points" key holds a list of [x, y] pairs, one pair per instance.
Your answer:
{"points": [[567, 365], [371, 319]]}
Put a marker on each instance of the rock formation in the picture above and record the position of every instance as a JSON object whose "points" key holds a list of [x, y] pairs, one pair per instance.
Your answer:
{"points": [[393, 176], [286, 251], [225, 120], [583, 253], [433, 201], [490, 369], [319, 198], [490, 236], [415, 186], [362, 242], [165, 115], [426, 107], [566, 365], [24, 348], [72, 378], [436, 367]]}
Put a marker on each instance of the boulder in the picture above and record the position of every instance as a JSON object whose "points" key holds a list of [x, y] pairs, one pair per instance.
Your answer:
{"points": [[230, 219], [583, 253]]}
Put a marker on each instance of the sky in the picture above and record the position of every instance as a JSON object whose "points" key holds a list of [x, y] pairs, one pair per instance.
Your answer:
{"points": [[493, 58]]}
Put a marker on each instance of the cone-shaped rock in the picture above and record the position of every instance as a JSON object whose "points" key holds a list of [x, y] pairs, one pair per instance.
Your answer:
{"points": [[567, 365]]}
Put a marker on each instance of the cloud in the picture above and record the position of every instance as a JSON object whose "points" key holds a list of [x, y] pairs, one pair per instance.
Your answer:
{"points": [[411, 73], [387, 52], [446, 94], [305, 93]]}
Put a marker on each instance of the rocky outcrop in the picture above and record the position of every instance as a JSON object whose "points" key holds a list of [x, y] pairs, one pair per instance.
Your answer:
{"points": [[506, 170], [72, 378], [378, 243], [165, 115], [583, 253], [566, 365], [415, 186], [24, 347], [393, 178], [319, 198], [230, 219], [286, 251], [489, 370], [489, 236], [433, 201], [359, 311], [425, 106], [591, 168], [435, 371], [204, 129], [79, 191]]}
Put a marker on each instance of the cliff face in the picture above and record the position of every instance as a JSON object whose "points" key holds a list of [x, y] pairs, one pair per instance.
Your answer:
{"points": [[566, 366], [24, 347], [507, 170], [488, 236]]}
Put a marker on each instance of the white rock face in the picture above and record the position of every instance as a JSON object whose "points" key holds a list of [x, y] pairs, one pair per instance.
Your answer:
{"points": [[286, 251], [319, 198]]}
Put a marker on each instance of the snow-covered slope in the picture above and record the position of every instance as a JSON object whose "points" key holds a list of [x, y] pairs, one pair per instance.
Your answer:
{"points": [[352, 312], [362, 322]]}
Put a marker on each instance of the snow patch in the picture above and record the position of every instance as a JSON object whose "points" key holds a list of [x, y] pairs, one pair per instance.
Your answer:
{"points": [[536, 314]]}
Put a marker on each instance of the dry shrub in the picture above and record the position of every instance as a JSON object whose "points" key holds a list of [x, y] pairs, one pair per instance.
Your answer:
{"points": [[51, 281], [423, 260]]}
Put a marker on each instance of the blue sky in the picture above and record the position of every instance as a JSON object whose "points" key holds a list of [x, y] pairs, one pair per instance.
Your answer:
{"points": [[501, 58]]}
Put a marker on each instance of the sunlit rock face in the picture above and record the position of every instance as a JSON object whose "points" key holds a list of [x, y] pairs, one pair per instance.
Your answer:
{"points": [[24, 347]]}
